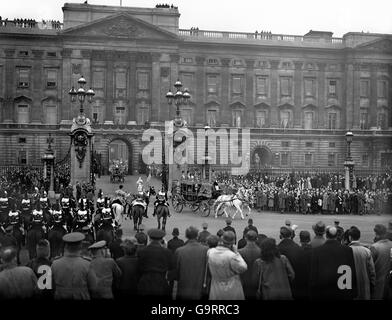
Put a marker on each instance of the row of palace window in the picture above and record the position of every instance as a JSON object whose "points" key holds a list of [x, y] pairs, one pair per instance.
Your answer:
{"points": [[237, 87], [261, 117]]}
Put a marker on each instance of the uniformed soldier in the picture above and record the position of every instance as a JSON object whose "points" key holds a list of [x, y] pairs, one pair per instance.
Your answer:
{"points": [[68, 204], [73, 277], [141, 202], [155, 262], [106, 270], [26, 209], [161, 199], [45, 204]]}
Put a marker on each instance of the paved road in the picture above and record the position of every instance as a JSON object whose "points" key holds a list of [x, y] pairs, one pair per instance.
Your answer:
{"points": [[268, 223]]}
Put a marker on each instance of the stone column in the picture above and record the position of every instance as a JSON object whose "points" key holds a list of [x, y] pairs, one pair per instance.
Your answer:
{"points": [[321, 96], [132, 89], [86, 73], [67, 85], [373, 95], [109, 87], [298, 81], [199, 92], [38, 83], [274, 122], [155, 87], [347, 87], [356, 96], [225, 112], [10, 82], [249, 115]]}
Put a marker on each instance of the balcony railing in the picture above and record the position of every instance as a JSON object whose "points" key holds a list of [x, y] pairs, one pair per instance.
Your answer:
{"points": [[255, 36], [31, 24]]}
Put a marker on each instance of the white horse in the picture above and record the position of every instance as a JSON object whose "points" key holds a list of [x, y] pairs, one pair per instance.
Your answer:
{"points": [[119, 209], [241, 198]]}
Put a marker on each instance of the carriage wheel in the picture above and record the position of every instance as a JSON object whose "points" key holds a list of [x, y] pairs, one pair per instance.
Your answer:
{"points": [[204, 209], [221, 211], [194, 206], [178, 206]]}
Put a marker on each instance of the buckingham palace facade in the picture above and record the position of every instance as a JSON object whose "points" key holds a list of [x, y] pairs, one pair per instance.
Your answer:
{"points": [[298, 94]]}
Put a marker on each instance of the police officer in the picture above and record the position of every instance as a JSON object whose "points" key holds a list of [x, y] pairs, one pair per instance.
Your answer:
{"points": [[106, 270], [73, 277]]}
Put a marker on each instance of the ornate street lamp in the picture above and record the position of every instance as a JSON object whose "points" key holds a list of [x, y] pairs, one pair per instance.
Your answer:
{"points": [[349, 163], [48, 160], [81, 93], [179, 98], [206, 157]]}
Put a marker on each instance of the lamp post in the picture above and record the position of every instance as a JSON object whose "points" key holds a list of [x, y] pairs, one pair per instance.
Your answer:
{"points": [[206, 156], [81, 93], [179, 97], [48, 159], [348, 163]]}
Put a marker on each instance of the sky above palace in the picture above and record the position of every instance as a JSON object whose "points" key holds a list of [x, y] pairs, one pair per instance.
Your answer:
{"points": [[294, 17]]}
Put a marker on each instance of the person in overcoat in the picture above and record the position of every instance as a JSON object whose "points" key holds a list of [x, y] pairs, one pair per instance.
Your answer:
{"points": [[190, 267], [225, 265], [155, 263], [328, 280]]}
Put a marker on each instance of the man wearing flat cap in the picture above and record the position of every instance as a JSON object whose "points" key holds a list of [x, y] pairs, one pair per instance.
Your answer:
{"points": [[204, 234], [230, 228], [155, 262], [331, 265], [226, 265], [319, 231], [73, 277], [106, 269]]}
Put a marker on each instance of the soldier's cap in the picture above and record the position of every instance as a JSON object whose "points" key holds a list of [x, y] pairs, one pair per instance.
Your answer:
{"points": [[156, 234], [73, 237], [204, 225], [229, 221], [98, 245]]}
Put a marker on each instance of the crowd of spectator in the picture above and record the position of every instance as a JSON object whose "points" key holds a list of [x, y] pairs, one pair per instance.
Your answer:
{"points": [[209, 266], [31, 23], [166, 6]]}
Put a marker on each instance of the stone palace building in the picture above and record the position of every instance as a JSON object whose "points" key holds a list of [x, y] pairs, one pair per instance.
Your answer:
{"points": [[298, 94]]}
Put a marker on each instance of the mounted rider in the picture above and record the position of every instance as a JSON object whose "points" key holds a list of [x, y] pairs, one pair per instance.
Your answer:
{"points": [[161, 199], [120, 196], [106, 215], [100, 200], [25, 208], [68, 205], [38, 219], [57, 217], [82, 218], [15, 218], [140, 201], [4, 207]]}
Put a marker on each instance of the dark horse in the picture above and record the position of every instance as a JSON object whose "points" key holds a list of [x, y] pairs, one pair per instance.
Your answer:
{"points": [[18, 235], [137, 213], [55, 237], [34, 234], [162, 212]]}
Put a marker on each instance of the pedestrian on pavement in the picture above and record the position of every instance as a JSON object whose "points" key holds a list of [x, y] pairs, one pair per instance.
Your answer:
{"points": [[204, 234], [175, 242], [128, 264], [72, 276], [326, 270], [226, 265], [381, 252], [250, 253], [250, 226], [319, 231], [16, 282], [190, 267], [272, 273], [106, 270], [155, 262], [364, 266]]}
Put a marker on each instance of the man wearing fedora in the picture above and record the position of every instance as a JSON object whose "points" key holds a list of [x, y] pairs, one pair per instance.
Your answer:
{"points": [[190, 267], [319, 231], [226, 265], [155, 262], [106, 269], [230, 228], [72, 276], [174, 243]]}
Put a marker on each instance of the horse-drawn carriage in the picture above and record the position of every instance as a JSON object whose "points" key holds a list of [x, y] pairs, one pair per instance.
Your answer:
{"points": [[198, 196], [117, 171]]}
